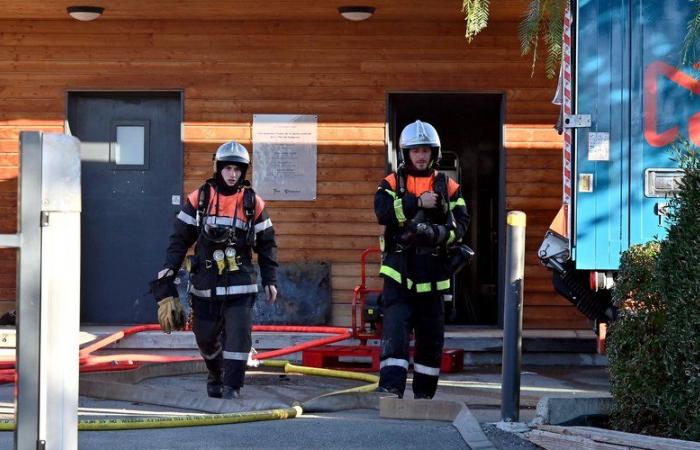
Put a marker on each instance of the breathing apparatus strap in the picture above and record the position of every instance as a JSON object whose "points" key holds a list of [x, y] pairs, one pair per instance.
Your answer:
{"points": [[249, 203], [203, 202]]}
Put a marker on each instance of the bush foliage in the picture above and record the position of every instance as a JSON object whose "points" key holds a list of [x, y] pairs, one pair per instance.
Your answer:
{"points": [[654, 346]]}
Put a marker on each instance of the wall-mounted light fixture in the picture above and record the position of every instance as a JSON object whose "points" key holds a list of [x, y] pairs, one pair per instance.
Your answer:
{"points": [[356, 13], [85, 13]]}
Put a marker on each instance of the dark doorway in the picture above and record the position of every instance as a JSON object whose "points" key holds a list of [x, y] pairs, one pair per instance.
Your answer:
{"points": [[470, 127], [131, 183]]}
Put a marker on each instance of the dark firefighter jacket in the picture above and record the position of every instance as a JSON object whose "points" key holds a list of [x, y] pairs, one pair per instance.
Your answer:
{"points": [[419, 270], [223, 210]]}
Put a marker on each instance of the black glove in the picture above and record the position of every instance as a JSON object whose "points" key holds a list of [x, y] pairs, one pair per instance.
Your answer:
{"points": [[426, 235]]}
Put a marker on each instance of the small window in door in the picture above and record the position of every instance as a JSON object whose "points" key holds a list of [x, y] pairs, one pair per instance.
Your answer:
{"points": [[129, 144]]}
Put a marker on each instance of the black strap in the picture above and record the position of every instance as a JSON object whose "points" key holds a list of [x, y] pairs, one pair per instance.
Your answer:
{"points": [[400, 178], [249, 201], [203, 202], [440, 186]]}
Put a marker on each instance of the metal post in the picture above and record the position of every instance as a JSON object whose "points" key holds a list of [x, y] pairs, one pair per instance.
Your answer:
{"points": [[513, 316], [29, 293], [48, 292]]}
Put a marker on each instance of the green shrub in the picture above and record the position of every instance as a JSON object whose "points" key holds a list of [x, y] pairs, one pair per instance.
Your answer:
{"points": [[678, 271], [654, 346], [635, 343]]}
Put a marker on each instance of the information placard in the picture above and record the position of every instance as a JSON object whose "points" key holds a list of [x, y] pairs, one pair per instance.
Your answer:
{"points": [[284, 156]]}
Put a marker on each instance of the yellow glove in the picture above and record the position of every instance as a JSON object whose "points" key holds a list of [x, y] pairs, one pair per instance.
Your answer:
{"points": [[170, 314]]}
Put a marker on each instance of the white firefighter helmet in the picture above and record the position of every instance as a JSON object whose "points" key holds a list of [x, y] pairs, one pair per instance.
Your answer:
{"points": [[232, 152], [420, 134]]}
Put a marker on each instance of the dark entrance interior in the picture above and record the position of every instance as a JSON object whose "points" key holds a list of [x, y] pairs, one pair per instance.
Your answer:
{"points": [[132, 163], [470, 127]]}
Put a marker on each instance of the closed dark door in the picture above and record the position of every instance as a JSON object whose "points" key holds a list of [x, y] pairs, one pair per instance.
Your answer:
{"points": [[132, 177]]}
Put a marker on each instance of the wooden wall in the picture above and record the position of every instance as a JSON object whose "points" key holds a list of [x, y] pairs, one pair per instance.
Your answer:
{"points": [[339, 70]]}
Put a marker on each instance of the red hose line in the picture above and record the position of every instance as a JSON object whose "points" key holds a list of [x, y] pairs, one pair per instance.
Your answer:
{"points": [[300, 329], [304, 346], [104, 363], [117, 336]]}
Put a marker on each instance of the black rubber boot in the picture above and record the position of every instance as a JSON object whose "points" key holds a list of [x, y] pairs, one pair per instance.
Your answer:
{"points": [[424, 396], [394, 391], [214, 379], [214, 390], [229, 393]]}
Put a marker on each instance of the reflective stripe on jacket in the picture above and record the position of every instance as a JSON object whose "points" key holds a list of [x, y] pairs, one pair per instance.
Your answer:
{"points": [[420, 273], [225, 211]]}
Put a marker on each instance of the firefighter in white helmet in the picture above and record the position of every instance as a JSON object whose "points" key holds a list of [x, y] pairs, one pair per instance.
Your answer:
{"points": [[226, 221], [425, 217]]}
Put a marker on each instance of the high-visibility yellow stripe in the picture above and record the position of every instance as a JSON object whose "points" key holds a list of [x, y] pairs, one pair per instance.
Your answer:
{"points": [[443, 285], [451, 237], [394, 275], [388, 191], [422, 288], [398, 209], [458, 202]]}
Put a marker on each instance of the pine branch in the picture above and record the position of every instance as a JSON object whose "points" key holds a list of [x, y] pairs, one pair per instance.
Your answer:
{"points": [[529, 31], [544, 18], [689, 51], [555, 32], [476, 17]]}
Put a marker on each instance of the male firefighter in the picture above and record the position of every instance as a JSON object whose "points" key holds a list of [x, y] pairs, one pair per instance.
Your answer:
{"points": [[424, 216], [225, 220]]}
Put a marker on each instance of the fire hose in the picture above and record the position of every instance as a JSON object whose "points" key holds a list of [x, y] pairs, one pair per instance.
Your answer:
{"points": [[95, 363]]}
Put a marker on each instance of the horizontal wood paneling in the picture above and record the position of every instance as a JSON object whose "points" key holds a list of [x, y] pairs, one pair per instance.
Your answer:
{"points": [[324, 11], [277, 59]]}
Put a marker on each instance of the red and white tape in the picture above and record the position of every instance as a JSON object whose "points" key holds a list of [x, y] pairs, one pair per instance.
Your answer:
{"points": [[567, 102]]}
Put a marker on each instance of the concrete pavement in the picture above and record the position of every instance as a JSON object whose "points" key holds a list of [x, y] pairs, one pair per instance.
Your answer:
{"points": [[477, 387]]}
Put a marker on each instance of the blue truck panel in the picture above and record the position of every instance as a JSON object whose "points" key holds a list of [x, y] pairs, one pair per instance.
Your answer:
{"points": [[628, 78]]}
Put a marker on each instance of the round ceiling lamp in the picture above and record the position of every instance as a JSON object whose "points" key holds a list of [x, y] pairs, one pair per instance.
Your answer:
{"points": [[356, 13], [85, 13]]}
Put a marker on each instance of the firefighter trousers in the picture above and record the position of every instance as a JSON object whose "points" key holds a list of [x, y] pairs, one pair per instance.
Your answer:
{"points": [[404, 313], [222, 330]]}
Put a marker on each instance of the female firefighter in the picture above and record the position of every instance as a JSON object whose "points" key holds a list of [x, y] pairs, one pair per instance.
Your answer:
{"points": [[226, 221], [425, 217]]}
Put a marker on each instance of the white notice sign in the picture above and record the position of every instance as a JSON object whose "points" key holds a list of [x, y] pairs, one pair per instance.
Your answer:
{"points": [[284, 156], [598, 146]]}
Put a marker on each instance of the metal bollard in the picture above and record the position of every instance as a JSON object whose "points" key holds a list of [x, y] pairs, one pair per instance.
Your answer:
{"points": [[513, 316]]}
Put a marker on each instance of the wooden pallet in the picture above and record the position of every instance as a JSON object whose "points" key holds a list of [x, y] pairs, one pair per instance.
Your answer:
{"points": [[590, 438]]}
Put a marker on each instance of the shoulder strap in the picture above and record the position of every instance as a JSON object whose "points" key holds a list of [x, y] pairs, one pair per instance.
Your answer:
{"points": [[203, 202], [249, 205], [400, 182], [440, 185]]}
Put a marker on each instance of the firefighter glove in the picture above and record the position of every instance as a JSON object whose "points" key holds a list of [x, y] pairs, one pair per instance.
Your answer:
{"points": [[427, 235], [170, 314]]}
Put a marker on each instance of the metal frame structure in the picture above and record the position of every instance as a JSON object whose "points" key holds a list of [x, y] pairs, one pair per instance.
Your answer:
{"points": [[48, 300]]}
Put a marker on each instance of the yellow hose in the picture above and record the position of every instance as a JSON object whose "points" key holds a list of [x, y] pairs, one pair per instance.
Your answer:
{"points": [[228, 418], [316, 371]]}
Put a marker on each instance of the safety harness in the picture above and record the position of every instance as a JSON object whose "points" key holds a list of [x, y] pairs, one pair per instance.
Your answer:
{"points": [[249, 204], [407, 270]]}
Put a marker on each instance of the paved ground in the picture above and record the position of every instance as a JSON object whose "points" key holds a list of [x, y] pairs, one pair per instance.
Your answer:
{"points": [[478, 388]]}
